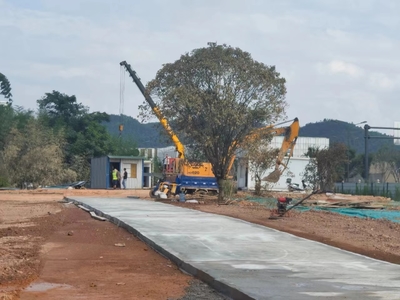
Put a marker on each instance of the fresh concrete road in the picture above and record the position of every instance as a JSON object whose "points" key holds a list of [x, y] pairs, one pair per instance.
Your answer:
{"points": [[248, 261]]}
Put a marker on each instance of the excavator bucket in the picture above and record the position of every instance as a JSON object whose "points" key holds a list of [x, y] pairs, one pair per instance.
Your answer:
{"points": [[273, 176]]}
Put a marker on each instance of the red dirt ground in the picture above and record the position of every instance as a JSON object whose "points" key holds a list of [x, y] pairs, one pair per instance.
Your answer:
{"points": [[51, 250]]}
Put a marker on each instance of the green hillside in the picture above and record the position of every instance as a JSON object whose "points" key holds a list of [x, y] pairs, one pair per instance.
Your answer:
{"points": [[151, 135], [347, 133]]}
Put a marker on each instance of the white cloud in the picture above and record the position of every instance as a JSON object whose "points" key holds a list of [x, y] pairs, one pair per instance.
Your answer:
{"points": [[338, 66], [333, 53], [384, 82]]}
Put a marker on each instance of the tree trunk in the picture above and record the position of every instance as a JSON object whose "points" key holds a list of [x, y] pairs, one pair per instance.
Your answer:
{"points": [[221, 194], [257, 187]]}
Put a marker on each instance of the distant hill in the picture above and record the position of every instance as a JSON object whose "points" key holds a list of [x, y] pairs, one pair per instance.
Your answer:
{"points": [[151, 135], [347, 133]]}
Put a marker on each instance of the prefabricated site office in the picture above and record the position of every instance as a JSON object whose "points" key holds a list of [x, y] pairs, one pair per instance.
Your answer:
{"points": [[136, 166]]}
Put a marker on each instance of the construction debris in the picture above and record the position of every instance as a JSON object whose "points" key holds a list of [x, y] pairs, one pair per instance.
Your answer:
{"points": [[331, 200], [93, 214], [84, 208], [192, 201]]}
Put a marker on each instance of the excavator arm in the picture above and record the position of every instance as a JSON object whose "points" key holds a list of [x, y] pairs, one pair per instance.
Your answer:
{"points": [[291, 134], [156, 110]]}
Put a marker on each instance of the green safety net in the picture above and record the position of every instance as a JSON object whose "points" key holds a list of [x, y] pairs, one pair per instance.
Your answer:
{"points": [[387, 214], [391, 215]]}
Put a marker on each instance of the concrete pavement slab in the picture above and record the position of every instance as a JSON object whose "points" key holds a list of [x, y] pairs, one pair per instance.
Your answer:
{"points": [[249, 261]]}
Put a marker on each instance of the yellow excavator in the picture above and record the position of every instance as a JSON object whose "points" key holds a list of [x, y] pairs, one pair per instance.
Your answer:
{"points": [[291, 133]]}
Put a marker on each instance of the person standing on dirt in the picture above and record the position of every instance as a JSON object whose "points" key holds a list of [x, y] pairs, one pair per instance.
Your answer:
{"points": [[115, 178], [124, 178]]}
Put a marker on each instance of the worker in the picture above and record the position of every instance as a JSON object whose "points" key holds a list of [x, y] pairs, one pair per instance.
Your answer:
{"points": [[166, 162], [115, 178]]}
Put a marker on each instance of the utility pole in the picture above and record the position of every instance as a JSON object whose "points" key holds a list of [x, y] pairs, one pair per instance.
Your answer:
{"points": [[348, 145], [366, 137]]}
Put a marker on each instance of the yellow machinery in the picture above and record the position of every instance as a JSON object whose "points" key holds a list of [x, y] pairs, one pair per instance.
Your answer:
{"points": [[180, 175], [184, 176], [291, 134]]}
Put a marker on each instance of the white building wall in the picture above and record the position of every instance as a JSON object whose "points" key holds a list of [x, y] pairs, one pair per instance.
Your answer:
{"points": [[295, 171], [133, 183], [296, 166]]}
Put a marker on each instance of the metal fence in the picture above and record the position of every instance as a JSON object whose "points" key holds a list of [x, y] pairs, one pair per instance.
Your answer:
{"points": [[390, 190]]}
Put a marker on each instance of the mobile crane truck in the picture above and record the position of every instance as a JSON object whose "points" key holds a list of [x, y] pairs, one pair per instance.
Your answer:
{"points": [[181, 176]]}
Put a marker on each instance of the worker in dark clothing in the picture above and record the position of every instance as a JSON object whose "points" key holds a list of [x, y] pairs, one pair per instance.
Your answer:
{"points": [[124, 178]]}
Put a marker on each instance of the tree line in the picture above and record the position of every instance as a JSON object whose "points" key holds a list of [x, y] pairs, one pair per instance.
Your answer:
{"points": [[54, 144], [214, 96], [340, 163]]}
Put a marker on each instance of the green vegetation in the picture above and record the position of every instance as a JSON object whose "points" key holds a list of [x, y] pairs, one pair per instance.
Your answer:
{"points": [[215, 96], [5, 88], [326, 167], [54, 145]]}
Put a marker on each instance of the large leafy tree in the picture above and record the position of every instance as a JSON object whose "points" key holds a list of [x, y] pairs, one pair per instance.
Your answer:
{"points": [[5, 88], [34, 154], [215, 96], [6, 111], [83, 130], [12, 116]]}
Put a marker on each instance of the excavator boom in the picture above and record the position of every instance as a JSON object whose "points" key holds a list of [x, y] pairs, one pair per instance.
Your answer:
{"points": [[289, 141], [179, 146], [291, 134]]}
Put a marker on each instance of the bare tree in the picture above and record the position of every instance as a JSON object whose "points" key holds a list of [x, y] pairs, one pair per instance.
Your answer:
{"points": [[260, 157]]}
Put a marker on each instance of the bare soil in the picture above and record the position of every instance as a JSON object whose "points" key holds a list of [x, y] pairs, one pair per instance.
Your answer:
{"points": [[53, 250]]}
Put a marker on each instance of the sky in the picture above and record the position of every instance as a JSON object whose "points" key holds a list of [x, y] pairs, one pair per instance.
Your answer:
{"points": [[340, 57]]}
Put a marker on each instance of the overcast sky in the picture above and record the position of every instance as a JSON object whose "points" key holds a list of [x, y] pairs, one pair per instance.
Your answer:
{"points": [[341, 58]]}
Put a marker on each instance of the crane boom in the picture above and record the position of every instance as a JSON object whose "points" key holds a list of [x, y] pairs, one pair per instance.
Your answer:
{"points": [[179, 146]]}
